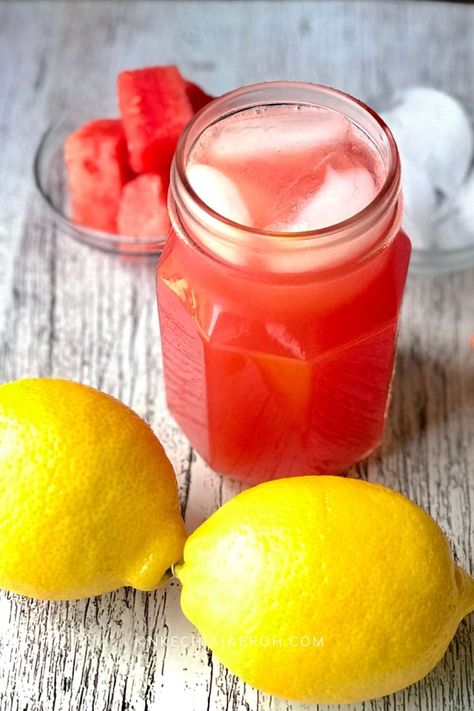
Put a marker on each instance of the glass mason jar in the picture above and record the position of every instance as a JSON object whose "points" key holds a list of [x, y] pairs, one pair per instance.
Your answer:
{"points": [[279, 349]]}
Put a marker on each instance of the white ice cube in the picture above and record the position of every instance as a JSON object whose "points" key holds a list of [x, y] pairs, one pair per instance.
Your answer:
{"points": [[434, 132], [455, 229], [464, 202], [419, 205], [341, 195], [219, 192], [276, 131]]}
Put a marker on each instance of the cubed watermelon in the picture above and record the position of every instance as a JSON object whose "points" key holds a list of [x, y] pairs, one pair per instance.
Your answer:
{"points": [[143, 211], [197, 96], [97, 167], [155, 108]]}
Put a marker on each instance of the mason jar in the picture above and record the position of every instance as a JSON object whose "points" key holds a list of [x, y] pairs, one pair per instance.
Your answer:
{"points": [[279, 349]]}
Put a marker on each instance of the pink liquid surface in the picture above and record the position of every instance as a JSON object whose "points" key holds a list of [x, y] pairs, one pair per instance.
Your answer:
{"points": [[286, 168]]}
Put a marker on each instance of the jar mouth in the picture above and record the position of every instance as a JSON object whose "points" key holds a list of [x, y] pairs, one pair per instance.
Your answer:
{"points": [[294, 93]]}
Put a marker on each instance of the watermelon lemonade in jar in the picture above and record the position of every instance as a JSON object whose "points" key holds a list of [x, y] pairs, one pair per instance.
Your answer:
{"points": [[280, 285]]}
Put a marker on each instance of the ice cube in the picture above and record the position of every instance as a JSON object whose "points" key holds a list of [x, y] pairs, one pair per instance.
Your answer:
{"points": [[455, 229], [434, 132], [219, 192], [453, 233], [342, 194], [419, 205], [464, 201], [275, 130]]}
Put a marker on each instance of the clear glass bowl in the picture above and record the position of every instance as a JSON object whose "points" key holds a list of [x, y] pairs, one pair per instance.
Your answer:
{"points": [[439, 261], [51, 181]]}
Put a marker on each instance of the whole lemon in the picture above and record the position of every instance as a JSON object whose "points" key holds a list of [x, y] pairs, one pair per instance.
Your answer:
{"points": [[88, 498], [324, 589]]}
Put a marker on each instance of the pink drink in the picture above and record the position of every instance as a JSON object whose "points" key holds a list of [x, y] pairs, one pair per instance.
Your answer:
{"points": [[286, 168], [280, 289]]}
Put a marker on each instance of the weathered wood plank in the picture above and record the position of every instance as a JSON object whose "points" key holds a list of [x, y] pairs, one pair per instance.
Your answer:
{"points": [[69, 311]]}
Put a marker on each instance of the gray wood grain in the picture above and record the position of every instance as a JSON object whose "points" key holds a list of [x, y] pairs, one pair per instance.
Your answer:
{"points": [[69, 311]]}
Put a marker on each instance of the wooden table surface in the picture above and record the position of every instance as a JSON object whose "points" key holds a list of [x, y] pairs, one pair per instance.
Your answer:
{"points": [[72, 312]]}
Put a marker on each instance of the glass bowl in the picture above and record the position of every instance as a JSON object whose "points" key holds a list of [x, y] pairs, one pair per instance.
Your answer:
{"points": [[441, 261], [51, 182]]}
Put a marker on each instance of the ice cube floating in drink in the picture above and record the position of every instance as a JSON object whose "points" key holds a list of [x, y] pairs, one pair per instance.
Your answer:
{"points": [[285, 168], [280, 286]]}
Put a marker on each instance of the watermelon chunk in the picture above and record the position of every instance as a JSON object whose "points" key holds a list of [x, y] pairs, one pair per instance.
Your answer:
{"points": [[155, 108], [143, 211], [197, 96], [97, 167]]}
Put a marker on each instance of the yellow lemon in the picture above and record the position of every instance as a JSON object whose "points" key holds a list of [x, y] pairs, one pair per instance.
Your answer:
{"points": [[324, 589], [88, 498]]}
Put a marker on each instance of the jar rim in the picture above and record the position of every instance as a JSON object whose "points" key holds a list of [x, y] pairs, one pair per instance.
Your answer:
{"points": [[246, 97]]}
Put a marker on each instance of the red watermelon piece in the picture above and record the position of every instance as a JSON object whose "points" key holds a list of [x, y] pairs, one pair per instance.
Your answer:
{"points": [[155, 108], [143, 211], [197, 96], [97, 167]]}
